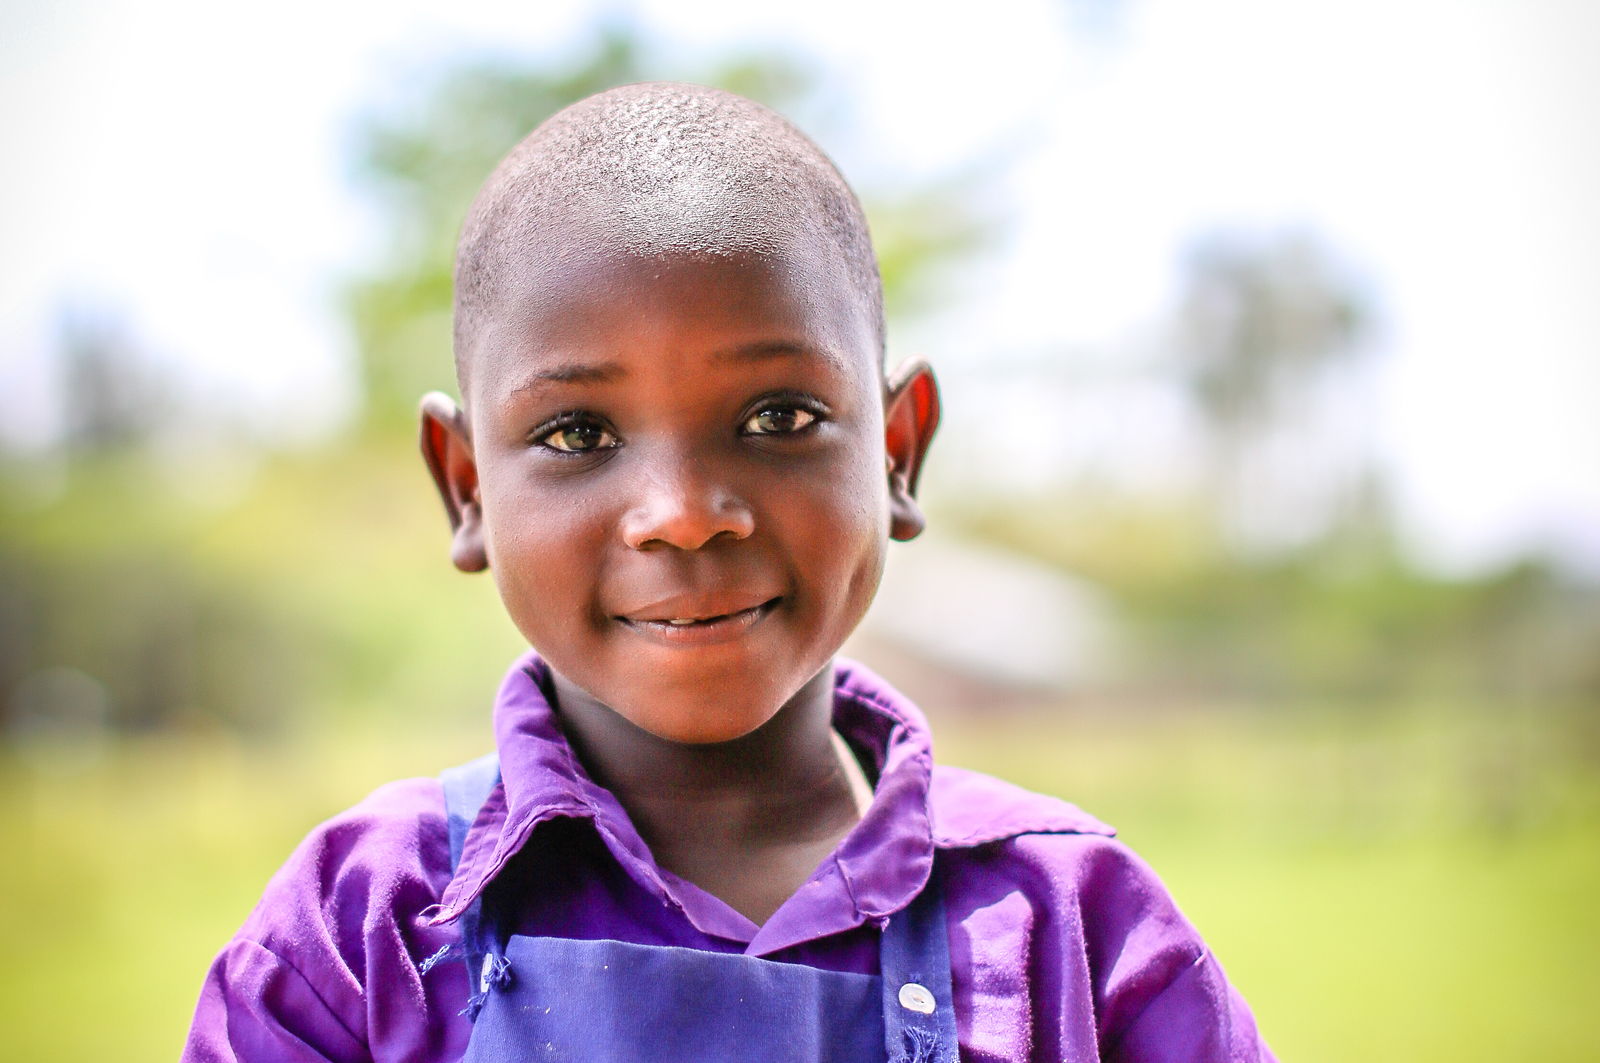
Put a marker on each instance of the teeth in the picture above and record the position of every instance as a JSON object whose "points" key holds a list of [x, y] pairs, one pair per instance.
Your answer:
{"points": [[679, 623]]}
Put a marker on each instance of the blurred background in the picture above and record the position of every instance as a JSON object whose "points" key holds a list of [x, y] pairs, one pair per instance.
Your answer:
{"points": [[1265, 515]]}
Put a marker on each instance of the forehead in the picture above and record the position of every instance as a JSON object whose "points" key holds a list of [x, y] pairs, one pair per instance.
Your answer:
{"points": [[587, 297]]}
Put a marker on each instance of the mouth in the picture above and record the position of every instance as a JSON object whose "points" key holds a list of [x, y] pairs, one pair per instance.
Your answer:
{"points": [[698, 627]]}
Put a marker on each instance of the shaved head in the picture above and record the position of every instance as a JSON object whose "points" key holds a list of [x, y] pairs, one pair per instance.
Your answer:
{"points": [[658, 169]]}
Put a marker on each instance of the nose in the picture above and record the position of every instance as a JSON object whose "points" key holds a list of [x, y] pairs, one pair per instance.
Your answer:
{"points": [[684, 506]]}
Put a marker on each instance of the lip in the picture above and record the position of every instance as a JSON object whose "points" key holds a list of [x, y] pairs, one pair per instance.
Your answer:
{"points": [[711, 623]]}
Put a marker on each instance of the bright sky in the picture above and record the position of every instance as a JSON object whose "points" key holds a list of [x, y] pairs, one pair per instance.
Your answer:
{"points": [[186, 164]]}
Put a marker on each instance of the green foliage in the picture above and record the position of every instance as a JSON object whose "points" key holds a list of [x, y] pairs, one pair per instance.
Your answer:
{"points": [[1392, 886], [1431, 873], [187, 616], [94, 585], [1346, 616], [1397, 882], [1295, 627], [1259, 319], [325, 589], [167, 645], [425, 165], [924, 231], [425, 162]]}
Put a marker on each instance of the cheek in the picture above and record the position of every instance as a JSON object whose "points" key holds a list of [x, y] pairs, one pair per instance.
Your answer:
{"points": [[844, 520], [539, 551]]}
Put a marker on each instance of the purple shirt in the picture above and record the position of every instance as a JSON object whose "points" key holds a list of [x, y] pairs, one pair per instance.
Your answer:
{"points": [[1063, 944]]}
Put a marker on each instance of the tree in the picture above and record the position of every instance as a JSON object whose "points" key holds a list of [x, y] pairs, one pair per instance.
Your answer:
{"points": [[113, 394], [1264, 322], [425, 164]]}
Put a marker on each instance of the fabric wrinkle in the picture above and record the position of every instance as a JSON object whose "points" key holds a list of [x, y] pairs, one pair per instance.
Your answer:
{"points": [[1083, 952]]}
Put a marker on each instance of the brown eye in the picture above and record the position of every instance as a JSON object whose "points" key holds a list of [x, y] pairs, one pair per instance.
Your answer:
{"points": [[778, 420], [579, 438]]}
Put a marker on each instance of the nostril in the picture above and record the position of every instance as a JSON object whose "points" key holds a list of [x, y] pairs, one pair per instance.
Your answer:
{"points": [[678, 523]]}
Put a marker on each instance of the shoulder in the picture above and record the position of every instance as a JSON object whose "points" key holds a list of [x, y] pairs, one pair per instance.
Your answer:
{"points": [[971, 809], [400, 824], [354, 887], [1000, 837], [340, 916], [1009, 849], [1040, 893]]}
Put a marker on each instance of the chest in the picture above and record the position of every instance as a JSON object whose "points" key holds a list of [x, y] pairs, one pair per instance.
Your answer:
{"points": [[583, 997]]}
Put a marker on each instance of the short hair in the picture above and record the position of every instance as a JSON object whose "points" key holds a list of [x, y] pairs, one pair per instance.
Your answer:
{"points": [[662, 168]]}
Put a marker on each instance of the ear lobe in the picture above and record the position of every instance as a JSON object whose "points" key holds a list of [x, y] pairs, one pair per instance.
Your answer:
{"points": [[446, 441], [910, 418]]}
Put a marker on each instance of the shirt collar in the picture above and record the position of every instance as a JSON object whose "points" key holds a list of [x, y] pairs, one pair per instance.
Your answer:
{"points": [[879, 867], [876, 870]]}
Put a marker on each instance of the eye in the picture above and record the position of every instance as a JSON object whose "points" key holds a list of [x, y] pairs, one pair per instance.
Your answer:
{"points": [[778, 420], [579, 437]]}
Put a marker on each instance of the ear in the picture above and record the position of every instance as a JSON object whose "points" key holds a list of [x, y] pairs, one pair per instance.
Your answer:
{"points": [[910, 417], [446, 442]]}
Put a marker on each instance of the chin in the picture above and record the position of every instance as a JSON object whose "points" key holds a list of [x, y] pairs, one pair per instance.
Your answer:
{"points": [[686, 722], [703, 707]]}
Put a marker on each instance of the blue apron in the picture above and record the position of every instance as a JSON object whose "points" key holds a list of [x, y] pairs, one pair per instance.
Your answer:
{"points": [[539, 998]]}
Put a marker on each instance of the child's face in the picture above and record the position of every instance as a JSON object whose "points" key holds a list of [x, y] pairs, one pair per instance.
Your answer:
{"points": [[676, 468]]}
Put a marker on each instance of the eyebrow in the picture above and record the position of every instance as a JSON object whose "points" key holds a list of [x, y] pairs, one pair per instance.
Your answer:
{"points": [[606, 372], [571, 373], [766, 349]]}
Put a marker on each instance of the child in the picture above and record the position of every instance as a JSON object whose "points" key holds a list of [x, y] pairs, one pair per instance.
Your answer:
{"points": [[702, 838]]}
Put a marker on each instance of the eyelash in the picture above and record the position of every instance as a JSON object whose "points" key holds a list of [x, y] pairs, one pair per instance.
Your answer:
{"points": [[787, 402], [580, 418], [573, 419]]}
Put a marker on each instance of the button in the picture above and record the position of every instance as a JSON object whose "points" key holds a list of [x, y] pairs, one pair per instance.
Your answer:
{"points": [[488, 969], [914, 997]]}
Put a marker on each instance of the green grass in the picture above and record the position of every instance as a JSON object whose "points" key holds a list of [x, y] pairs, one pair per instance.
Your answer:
{"points": [[1408, 886], [1447, 950], [1415, 885], [122, 879]]}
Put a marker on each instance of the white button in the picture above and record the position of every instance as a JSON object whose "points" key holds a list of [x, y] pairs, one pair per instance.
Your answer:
{"points": [[488, 968], [914, 997]]}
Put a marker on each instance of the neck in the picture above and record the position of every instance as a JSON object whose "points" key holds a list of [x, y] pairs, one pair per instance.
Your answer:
{"points": [[741, 819], [787, 755]]}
